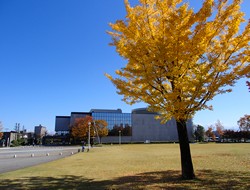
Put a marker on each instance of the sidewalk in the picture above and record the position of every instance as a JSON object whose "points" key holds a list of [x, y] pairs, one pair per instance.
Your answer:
{"points": [[16, 158]]}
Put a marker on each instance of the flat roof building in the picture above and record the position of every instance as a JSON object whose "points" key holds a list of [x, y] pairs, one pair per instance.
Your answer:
{"points": [[62, 124], [143, 123], [40, 131]]}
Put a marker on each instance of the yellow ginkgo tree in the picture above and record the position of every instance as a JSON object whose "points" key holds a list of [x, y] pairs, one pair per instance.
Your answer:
{"points": [[179, 59]]}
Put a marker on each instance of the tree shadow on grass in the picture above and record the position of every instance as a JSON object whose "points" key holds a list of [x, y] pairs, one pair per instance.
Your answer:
{"points": [[206, 179]]}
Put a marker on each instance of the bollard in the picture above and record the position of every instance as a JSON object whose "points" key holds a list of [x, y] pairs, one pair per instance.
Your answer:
{"points": [[15, 156], [47, 154], [60, 154], [72, 153], [32, 155]]}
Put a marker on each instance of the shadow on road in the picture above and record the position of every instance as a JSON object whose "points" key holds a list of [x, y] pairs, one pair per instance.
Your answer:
{"points": [[206, 179]]}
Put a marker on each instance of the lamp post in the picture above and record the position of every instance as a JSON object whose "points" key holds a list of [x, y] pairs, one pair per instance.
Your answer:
{"points": [[89, 137], [120, 137]]}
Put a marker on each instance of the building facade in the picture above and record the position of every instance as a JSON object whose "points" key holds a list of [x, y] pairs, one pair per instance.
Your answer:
{"points": [[145, 128], [112, 117], [40, 131], [8, 137]]}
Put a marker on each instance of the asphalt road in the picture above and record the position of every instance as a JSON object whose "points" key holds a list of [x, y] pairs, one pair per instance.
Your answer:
{"points": [[16, 158]]}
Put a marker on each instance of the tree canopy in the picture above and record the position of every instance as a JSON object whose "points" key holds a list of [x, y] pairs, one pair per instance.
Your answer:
{"points": [[210, 134], [244, 123], [199, 133], [79, 130], [179, 59], [219, 128], [101, 127]]}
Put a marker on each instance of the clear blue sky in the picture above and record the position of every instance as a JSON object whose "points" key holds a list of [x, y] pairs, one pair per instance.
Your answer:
{"points": [[53, 56]]}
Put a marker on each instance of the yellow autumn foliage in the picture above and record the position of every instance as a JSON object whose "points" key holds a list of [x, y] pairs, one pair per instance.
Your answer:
{"points": [[178, 59]]}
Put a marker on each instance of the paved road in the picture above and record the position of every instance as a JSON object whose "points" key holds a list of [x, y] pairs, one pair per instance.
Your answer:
{"points": [[16, 158]]}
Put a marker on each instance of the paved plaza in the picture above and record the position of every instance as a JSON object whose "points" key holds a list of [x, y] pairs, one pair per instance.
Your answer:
{"points": [[20, 157]]}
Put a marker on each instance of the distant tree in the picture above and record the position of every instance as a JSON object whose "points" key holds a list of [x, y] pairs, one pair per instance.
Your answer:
{"points": [[219, 128], [244, 123], [18, 142], [244, 135], [199, 133], [80, 128], [227, 135], [179, 59], [1, 129], [236, 136], [102, 130], [209, 133]]}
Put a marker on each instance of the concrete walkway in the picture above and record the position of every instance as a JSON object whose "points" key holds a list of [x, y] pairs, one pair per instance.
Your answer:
{"points": [[16, 158]]}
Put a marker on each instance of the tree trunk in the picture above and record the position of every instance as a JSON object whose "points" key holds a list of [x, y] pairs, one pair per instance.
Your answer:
{"points": [[186, 160]]}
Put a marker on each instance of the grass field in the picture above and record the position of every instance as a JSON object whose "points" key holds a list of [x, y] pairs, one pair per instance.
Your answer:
{"points": [[144, 166]]}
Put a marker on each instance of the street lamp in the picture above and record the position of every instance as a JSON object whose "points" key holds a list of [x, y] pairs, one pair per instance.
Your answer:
{"points": [[89, 137], [120, 137]]}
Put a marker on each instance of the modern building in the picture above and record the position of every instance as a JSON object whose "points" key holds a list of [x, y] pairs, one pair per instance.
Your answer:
{"points": [[145, 128], [112, 117], [62, 125]]}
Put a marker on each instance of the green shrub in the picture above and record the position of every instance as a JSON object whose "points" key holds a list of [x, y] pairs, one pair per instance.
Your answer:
{"points": [[18, 142]]}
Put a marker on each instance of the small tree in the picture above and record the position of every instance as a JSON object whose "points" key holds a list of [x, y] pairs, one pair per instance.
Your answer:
{"points": [[79, 130], [219, 128], [244, 123], [230, 135], [18, 142], [244, 135], [209, 133], [102, 130], [199, 133]]}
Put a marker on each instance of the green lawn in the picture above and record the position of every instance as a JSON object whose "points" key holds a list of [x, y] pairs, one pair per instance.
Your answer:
{"points": [[144, 166]]}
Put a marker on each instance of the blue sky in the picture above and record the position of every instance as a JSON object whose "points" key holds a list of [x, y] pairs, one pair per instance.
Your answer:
{"points": [[53, 56]]}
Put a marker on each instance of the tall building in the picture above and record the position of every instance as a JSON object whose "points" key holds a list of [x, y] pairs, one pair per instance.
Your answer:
{"points": [[40, 131], [144, 125]]}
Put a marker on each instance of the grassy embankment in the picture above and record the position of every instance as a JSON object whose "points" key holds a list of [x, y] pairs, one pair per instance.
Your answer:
{"points": [[145, 166]]}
